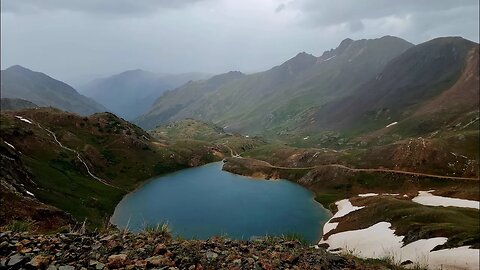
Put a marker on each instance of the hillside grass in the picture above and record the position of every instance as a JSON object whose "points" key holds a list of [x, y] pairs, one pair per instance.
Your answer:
{"points": [[116, 151], [188, 129], [62, 186]]}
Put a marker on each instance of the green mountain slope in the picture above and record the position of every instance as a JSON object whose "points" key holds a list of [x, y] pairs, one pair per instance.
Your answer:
{"points": [[120, 155], [420, 74], [171, 103], [191, 130], [11, 104], [274, 98], [42, 90]]}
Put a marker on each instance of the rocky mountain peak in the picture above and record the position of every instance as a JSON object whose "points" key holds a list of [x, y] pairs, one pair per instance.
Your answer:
{"points": [[345, 43], [301, 61], [18, 68], [337, 51]]}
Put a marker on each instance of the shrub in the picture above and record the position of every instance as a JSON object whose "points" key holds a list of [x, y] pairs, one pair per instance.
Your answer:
{"points": [[295, 237], [161, 229], [20, 226]]}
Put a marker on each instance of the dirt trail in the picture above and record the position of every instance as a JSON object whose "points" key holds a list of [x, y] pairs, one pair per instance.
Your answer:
{"points": [[78, 156], [233, 154], [368, 170]]}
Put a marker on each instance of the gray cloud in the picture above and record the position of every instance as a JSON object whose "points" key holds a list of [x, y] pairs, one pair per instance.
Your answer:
{"points": [[355, 26], [87, 38], [280, 7], [321, 13], [94, 6]]}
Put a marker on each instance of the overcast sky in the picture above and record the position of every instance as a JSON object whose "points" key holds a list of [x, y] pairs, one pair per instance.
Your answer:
{"points": [[75, 40]]}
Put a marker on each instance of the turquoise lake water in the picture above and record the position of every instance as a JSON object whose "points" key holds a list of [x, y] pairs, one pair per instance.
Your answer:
{"points": [[205, 201]]}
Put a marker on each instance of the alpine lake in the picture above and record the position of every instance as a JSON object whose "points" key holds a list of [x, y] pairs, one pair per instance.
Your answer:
{"points": [[205, 201]]}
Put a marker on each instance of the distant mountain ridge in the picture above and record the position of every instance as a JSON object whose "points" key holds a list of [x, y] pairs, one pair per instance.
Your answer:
{"points": [[131, 93], [273, 99], [173, 102], [405, 86], [18, 82], [12, 104]]}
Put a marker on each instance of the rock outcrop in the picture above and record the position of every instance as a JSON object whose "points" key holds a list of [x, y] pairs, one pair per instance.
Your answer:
{"points": [[147, 250]]}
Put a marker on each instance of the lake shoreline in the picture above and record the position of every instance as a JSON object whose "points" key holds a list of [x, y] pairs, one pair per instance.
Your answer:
{"points": [[267, 194]]}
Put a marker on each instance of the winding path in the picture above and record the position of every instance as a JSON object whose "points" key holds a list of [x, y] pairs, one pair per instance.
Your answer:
{"points": [[368, 170], [78, 156], [232, 153]]}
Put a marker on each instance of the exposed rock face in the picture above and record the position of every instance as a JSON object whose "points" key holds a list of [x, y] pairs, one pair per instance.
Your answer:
{"points": [[156, 250]]}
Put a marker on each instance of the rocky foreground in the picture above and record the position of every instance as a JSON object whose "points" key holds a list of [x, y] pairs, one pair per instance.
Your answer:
{"points": [[150, 250]]}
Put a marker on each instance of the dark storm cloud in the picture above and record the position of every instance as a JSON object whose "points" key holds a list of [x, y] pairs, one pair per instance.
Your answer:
{"points": [[94, 6], [323, 13], [71, 39]]}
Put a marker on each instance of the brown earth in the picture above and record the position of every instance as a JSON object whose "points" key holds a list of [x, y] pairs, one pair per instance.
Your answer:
{"points": [[344, 182]]}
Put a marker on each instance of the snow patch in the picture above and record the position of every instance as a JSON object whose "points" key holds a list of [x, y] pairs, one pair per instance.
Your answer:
{"points": [[329, 226], [376, 241], [455, 258], [391, 124], [391, 194], [426, 198], [30, 193], [368, 195], [330, 58], [379, 241], [9, 145], [344, 208], [23, 119]]}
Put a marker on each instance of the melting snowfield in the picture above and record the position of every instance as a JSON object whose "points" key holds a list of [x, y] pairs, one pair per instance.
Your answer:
{"points": [[379, 241], [427, 198], [344, 207]]}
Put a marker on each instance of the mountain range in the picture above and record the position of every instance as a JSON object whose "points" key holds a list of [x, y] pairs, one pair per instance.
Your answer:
{"points": [[354, 90], [408, 86], [274, 98], [18, 82], [130, 93], [358, 91]]}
